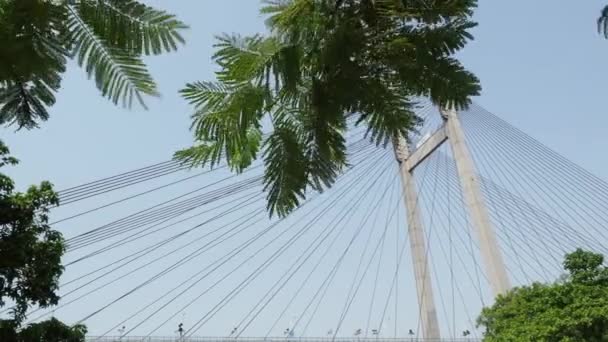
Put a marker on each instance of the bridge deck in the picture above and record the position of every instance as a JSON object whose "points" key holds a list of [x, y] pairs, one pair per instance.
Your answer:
{"points": [[268, 339]]}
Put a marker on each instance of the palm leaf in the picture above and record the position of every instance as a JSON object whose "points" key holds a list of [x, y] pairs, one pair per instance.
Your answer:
{"points": [[323, 123], [119, 74], [602, 22], [427, 11], [287, 14], [237, 107], [200, 155], [387, 112], [448, 83], [205, 94], [226, 124], [245, 59], [326, 155], [131, 25], [32, 60], [441, 40], [286, 177], [24, 105]]}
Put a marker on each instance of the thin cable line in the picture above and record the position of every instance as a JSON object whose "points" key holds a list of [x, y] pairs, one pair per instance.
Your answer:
{"points": [[547, 191], [107, 205], [86, 194], [330, 278], [252, 276], [243, 263], [371, 305], [534, 185], [347, 308], [126, 218], [370, 211], [292, 270], [158, 275], [122, 175]]}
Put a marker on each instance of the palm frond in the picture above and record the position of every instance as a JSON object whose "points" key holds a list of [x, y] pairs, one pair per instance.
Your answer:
{"points": [[445, 39], [203, 154], [448, 84], [326, 155], [602, 22], [24, 105], [32, 60], [205, 94], [240, 107], [426, 11], [324, 124], [133, 26], [274, 8], [244, 59], [106, 37], [239, 154], [387, 112], [285, 178], [119, 74], [226, 123], [284, 14]]}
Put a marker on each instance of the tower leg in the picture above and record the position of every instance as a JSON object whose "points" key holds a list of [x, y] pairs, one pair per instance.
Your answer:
{"points": [[488, 245], [424, 287]]}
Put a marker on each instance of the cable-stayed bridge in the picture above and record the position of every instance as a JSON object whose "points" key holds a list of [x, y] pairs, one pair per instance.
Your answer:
{"points": [[411, 242]]}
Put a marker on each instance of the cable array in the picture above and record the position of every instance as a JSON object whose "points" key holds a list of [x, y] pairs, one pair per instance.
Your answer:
{"points": [[338, 266]]}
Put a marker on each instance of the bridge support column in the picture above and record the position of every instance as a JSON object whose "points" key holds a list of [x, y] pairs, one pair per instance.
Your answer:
{"points": [[478, 213], [424, 287]]}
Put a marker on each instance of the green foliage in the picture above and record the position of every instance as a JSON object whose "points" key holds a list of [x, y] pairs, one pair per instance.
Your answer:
{"points": [[51, 330], [325, 61], [32, 59], [30, 251], [602, 22], [108, 38], [573, 309]]}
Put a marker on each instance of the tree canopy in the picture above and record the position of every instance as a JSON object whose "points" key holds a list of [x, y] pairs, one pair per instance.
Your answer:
{"points": [[324, 62], [572, 309], [108, 38], [30, 251], [51, 330]]}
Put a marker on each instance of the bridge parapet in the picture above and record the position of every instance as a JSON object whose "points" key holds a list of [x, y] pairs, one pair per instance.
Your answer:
{"points": [[269, 339]]}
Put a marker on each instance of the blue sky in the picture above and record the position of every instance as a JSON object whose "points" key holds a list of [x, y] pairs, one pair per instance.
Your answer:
{"points": [[542, 65]]}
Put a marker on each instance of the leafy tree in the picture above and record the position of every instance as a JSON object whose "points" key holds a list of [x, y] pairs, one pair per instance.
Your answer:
{"points": [[30, 251], [106, 37], [51, 330], [602, 22], [323, 62], [572, 309]]}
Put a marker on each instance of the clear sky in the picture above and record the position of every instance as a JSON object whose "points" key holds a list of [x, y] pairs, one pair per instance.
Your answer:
{"points": [[542, 64]]}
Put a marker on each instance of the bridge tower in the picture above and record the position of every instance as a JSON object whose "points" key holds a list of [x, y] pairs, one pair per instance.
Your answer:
{"points": [[491, 255]]}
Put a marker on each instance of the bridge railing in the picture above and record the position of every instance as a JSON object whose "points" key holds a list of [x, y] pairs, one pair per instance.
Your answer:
{"points": [[268, 339]]}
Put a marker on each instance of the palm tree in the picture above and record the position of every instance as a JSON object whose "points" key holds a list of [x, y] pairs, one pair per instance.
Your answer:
{"points": [[108, 38], [602, 22], [325, 61]]}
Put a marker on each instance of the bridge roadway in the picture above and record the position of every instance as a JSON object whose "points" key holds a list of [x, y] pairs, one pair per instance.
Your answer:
{"points": [[270, 339]]}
